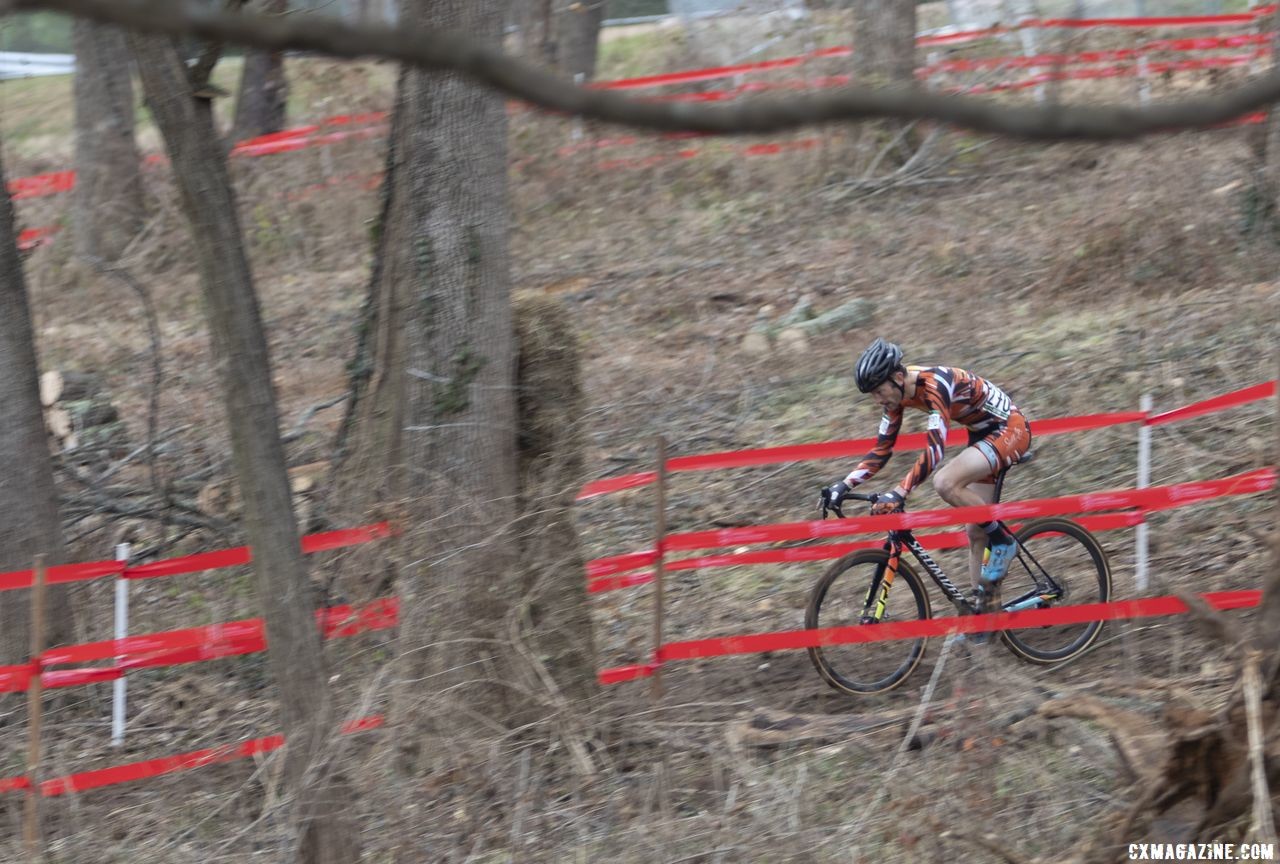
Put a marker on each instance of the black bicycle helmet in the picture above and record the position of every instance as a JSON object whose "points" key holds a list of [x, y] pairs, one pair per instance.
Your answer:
{"points": [[876, 364]]}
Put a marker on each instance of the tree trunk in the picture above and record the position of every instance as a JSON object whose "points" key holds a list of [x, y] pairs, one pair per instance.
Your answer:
{"points": [[433, 423], [107, 210], [447, 249], [264, 90], [578, 38], [884, 42], [231, 303], [497, 629], [29, 519], [537, 34], [1263, 196]]}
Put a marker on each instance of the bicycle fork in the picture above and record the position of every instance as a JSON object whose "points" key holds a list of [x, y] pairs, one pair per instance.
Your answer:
{"points": [[878, 592]]}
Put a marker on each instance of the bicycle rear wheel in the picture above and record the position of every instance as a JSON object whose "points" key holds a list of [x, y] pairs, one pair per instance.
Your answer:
{"points": [[838, 601], [1054, 552]]}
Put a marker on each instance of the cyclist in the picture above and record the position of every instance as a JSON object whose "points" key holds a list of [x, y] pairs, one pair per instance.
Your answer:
{"points": [[999, 435]]}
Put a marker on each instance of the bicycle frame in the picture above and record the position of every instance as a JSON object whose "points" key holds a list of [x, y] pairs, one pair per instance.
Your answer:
{"points": [[878, 593], [1046, 590]]}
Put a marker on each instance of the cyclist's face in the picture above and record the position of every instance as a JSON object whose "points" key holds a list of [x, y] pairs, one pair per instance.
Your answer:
{"points": [[887, 395]]}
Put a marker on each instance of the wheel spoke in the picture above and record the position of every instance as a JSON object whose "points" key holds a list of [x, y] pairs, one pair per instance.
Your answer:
{"points": [[840, 599], [1066, 566]]}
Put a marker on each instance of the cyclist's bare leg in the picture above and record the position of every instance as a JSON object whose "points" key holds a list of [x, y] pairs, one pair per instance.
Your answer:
{"points": [[960, 483], [978, 537]]}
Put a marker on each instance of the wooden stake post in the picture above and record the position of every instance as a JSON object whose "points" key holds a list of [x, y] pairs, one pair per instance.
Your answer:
{"points": [[660, 539], [31, 824]]}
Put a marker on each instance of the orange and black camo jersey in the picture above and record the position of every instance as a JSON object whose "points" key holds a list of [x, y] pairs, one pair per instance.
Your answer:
{"points": [[946, 394]]}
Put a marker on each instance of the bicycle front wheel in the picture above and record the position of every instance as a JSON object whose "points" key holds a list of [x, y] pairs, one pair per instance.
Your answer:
{"points": [[1059, 563], [838, 601]]}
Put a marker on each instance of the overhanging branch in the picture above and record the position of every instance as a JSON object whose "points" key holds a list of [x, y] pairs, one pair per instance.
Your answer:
{"points": [[439, 50]]}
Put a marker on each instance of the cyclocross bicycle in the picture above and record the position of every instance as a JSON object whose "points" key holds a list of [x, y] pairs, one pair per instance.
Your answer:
{"points": [[1058, 562]]}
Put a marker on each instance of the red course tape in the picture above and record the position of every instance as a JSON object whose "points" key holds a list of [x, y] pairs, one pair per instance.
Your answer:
{"points": [[1118, 499], [949, 540], [979, 64], [859, 446], [601, 567], [191, 645], [311, 543], [1075, 23], [792, 639], [86, 780], [190, 563], [30, 238], [1256, 393], [1198, 44], [1155, 21]]}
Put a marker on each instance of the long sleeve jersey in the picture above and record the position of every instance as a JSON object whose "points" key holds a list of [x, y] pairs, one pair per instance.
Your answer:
{"points": [[946, 394]]}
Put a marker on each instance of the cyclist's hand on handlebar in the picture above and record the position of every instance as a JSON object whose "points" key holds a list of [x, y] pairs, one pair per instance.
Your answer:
{"points": [[888, 502], [832, 497]]}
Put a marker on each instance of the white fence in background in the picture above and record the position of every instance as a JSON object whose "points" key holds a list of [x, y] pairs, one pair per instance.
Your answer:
{"points": [[970, 14], [16, 64], [697, 8]]}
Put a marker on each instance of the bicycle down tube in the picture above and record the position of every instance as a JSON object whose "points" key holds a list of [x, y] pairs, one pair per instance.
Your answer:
{"points": [[878, 592]]}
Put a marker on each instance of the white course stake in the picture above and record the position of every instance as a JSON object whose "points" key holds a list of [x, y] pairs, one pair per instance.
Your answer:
{"points": [[122, 631], [1144, 480], [1144, 81], [575, 129]]}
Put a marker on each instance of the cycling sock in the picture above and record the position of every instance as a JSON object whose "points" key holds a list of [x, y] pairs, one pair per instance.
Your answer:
{"points": [[996, 533]]}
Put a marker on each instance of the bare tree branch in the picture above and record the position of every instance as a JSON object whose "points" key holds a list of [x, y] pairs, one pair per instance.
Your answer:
{"points": [[444, 50]]}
